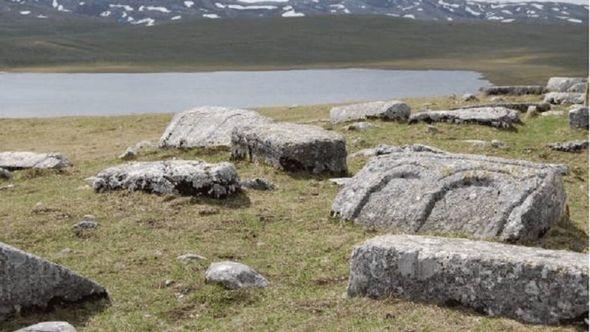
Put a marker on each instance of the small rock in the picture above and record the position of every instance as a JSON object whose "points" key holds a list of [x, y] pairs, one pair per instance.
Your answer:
{"points": [[129, 154], [85, 225], [560, 98], [49, 327], [5, 174], [6, 187], [190, 258], [571, 146], [532, 112], [339, 181], [41, 208], [359, 126], [257, 184], [498, 144], [168, 282], [233, 275], [552, 113], [208, 211], [64, 252], [23, 160], [133, 151], [496, 99], [469, 97], [384, 110]]}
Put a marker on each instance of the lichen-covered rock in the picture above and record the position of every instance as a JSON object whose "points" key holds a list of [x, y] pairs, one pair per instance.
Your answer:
{"points": [[477, 196], [383, 149], [567, 84], [132, 151], [561, 98], [385, 110], [499, 117], [257, 184], [530, 284], [514, 90], [172, 177], [23, 159], [234, 275], [5, 174], [578, 117], [360, 126], [207, 127], [291, 147], [571, 146], [30, 282], [49, 327], [521, 107]]}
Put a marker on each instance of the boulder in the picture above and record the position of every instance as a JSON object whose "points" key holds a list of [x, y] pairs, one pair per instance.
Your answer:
{"points": [[521, 107], [28, 282], [578, 117], [207, 127], [257, 184], [49, 327], [384, 110], [5, 174], [171, 177], [22, 160], [561, 98], [499, 117], [383, 149], [571, 146], [529, 284], [291, 147], [514, 90], [232, 275], [567, 84], [471, 195]]}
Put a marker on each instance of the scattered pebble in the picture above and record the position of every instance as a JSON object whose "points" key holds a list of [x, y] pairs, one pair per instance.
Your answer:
{"points": [[5, 174]]}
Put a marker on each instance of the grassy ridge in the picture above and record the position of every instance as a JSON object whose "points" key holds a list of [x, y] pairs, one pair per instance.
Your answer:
{"points": [[287, 235], [507, 53]]}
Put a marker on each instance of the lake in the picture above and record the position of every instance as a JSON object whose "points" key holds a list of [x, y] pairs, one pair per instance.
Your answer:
{"points": [[48, 95]]}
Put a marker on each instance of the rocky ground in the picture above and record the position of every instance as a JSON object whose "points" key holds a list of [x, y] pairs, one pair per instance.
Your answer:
{"points": [[151, 252]]}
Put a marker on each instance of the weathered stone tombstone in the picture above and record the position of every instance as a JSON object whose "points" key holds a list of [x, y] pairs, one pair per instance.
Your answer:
{"points": [[291, 147], [476, 196], [30, 282], [207, 126], [23, 160], [171, 177], [498, 117], [530, 284], [384, 110]]}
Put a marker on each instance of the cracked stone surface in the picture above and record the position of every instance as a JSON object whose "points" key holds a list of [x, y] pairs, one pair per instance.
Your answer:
{"points": [[530, 284], [24, 159], [571, 146], [385, 110], [499, 117], [578, 117], [291, 147], [383, 149], [561, 98], [521, 107], [475, 196], [172, 177], [207, 127], [233, 275], [514, 90], [30, 282], [567, 84]]}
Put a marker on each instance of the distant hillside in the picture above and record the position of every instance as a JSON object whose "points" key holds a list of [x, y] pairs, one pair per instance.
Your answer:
{"points": [[504, 52], [153, 12]]}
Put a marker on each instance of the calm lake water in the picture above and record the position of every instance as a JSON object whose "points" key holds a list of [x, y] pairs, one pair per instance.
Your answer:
{"points": [[44, 95]]}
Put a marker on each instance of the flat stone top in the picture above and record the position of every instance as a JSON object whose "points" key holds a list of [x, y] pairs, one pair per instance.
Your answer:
{"points": [[207, 126], [481, 250], [289, 133], [462, 161], [483, 113], [25, 159]]}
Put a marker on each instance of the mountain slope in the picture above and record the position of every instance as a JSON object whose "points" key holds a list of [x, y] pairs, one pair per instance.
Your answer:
{"points": [[151, 12]]}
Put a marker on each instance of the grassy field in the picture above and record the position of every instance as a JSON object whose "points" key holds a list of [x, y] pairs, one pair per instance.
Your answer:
{"points": [[505, 53], [287, 235]]}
